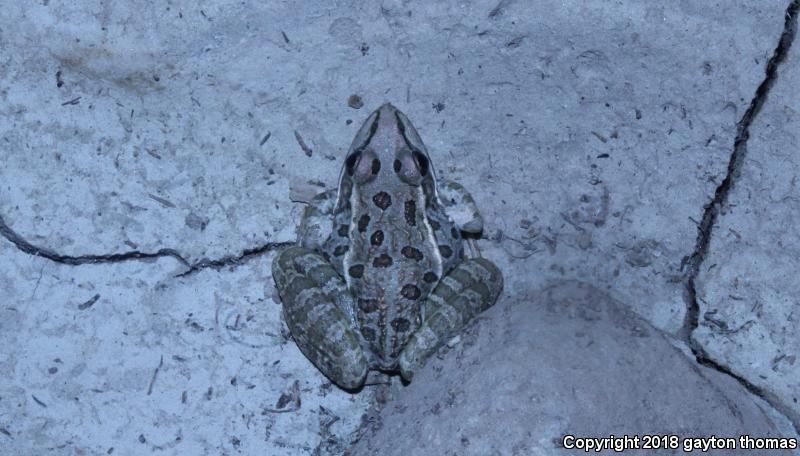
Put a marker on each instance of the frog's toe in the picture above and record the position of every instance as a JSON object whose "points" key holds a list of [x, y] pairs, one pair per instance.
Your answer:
{"points": [[350, 374], [415, 353], [407, 369]]}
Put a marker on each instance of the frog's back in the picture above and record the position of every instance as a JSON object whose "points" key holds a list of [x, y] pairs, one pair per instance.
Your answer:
{"points": [[391, 239]]}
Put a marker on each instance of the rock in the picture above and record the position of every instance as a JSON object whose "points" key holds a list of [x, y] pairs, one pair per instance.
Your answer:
{"points": [[355, 102], [606, 126], [569, 360]]}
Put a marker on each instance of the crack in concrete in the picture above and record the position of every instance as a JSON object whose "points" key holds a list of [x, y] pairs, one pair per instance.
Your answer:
{"points": [[134, 255], [233, 260], [51, 255], [711, 213]]}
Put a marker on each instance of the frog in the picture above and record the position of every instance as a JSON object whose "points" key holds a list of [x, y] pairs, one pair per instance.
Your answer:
{"points": [[379, 277]]}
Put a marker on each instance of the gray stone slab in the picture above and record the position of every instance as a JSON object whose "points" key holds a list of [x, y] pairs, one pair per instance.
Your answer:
{"points": [[748, 285], [566, 361], [591, 135], [155, 364]]}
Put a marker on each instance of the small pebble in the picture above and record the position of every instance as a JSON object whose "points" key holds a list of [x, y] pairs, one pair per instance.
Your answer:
{"points": [[355, 102]]}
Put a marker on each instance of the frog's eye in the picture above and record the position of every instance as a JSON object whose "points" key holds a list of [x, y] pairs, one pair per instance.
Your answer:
{"points": [[409, 168], [364, 167], [415, 152]]}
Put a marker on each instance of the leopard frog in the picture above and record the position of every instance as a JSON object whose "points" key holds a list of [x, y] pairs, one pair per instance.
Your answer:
{"points": [[378, 279]]}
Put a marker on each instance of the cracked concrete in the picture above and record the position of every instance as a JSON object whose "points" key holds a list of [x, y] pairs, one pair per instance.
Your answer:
{"points": [[81, 378], [742, 287], [149, 153], [44, 252]]}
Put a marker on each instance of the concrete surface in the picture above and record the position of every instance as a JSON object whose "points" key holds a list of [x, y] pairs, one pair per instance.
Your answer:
{"points": [[156, 364], [141, 141], [565, 361], [748, 288]]}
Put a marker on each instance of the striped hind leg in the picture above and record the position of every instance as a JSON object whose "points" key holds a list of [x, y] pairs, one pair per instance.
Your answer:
{"points": [[318, 310], [470, 288]]}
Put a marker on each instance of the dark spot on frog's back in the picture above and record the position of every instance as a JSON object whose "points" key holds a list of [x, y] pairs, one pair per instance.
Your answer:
{"points": [[435, 225], [363, 222], [343, 231], [446, 251], [410, 291], [383, 200], [377, 238], [340, 250], [411, 253], [411, 212], [454, 232], [356, 271], [400, 324], [382, 261], [368, 333], [430, 277], [376, 166], [368, 305], [397, 166]]}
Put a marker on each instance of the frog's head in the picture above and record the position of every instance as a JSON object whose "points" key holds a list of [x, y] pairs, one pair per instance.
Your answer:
{"points": [[388, 147]]}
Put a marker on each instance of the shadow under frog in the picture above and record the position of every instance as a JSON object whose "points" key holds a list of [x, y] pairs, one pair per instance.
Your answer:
{"points": [[379, 279]]}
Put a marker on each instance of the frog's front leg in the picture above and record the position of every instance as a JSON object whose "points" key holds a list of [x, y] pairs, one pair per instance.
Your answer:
{"points": [[317, 221], [470, 288], [460, 206], [315, 305]]}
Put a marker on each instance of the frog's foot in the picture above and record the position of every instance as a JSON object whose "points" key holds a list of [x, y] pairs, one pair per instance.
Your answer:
{"points": [[315, 306], [469, 289]]}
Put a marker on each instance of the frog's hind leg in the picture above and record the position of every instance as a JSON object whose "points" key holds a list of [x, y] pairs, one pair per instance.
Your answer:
{"points": [[318, 310], [470, 288]]}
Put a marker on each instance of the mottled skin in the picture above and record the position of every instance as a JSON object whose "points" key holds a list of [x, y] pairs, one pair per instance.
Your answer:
{"points": [[378, 279]]}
